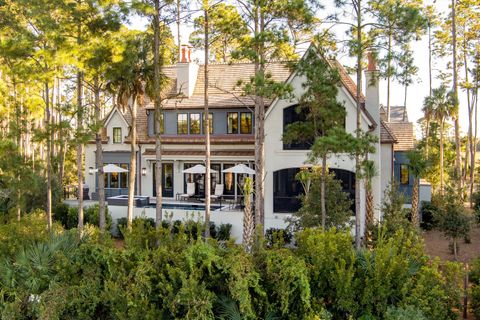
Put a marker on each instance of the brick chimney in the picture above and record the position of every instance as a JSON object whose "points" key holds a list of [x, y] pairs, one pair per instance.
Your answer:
{"points": [[187, 72]]}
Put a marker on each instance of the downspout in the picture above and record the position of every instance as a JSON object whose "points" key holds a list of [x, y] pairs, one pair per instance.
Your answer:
{"points": [[139, 169]]}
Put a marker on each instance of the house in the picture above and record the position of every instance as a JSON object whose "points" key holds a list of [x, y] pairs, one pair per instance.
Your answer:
{"points": [[232, 136]]}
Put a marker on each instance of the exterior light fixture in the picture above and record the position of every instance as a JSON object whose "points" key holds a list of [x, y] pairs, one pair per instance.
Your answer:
{"points": [[90, 170], [144, 171]]}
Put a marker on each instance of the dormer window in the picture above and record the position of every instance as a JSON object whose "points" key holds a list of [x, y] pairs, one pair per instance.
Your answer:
{"points": [[117, 135]]}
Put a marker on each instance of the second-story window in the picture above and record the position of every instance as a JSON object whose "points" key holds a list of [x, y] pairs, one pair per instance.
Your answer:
{"points": [[210, 120], [194, 123], [160, 126], [117, 135], [246, 122], [182, 123], [232, 122]]}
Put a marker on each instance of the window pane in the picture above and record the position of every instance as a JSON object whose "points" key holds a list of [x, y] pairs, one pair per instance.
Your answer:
{"points": [[210, 119], [232, 122], [117, 135], [160, 126], [194, 123], [182, 123], [124, 176], [246, 122], [114, 180], [404, 174]]}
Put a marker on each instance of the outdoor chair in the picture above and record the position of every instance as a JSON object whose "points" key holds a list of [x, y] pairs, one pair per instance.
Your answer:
{"points": [[190, 191], [218, 192]]}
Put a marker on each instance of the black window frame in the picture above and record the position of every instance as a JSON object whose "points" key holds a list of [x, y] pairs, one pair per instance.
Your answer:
{"points": [[190, 115], [210, 118], [162, 124], [401, 180]]}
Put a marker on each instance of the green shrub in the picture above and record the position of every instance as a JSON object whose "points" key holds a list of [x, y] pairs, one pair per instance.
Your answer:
{"points": [[475, 301], [474, 275], [429, 213], [404, 313], [68, 216], [224, 230], [278, 237]]}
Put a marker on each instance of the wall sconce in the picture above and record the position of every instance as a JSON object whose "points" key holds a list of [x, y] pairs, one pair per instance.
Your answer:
{"points": [[90, 170], [144, 171]]}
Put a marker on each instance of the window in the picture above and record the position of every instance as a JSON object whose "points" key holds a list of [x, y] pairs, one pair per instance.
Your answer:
{"points": [[117, 135], [194, 123], [404, 174], [124, 176], [116, 180], [210, 120], [160, 129], [182, 123], [246, 122], [290, 116], [232, 122]]}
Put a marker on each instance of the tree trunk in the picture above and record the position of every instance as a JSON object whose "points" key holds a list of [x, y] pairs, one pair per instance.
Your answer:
{"points": [[158, 114], [248, 219], [80, 150], [369, 214], [133, 163], [430, 57], [259, 129], [415, 216], [389, 66], [207, 129], [49, 159], [458, 164], [99, 159], [441, 157], [358, 176], [322, 191], [427, 133], [179, 42]]}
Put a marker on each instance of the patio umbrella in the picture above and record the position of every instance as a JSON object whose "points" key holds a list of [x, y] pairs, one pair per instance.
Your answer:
{"points": [[198, 169], [112, 168], [240, 169]]}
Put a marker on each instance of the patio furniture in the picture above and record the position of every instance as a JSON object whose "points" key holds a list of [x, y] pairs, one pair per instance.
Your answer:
{"points": [[190, 191], [218, 195]]}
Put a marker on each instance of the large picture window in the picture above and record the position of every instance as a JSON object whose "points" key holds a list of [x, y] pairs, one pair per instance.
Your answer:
{"points": [[290, 116], [117, 135], [117, 180], [232, 122], [245, 122], [182, 123], [194, 123]]}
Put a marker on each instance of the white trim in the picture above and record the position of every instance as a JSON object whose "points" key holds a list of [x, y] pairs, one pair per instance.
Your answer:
{"points": [[114, 110]]}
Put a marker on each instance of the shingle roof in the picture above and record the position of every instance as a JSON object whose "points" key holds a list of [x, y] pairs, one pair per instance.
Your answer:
{"points": [[397, 113], [386, 134], [403, 132]]}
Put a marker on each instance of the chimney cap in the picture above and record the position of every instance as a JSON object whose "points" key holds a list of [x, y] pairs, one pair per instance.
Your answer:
{"points": [[372, 61]]}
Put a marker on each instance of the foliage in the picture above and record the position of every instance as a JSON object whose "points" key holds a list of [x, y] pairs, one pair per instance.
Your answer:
{"points": [[404, 313], [395, 216], [475, 300], [68, 216], [278, 237], [338, 203], [429, 212]]}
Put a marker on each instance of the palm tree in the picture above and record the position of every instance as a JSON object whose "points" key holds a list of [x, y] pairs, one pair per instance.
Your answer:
{"points": [[442, 103], [417, 166], [428, 113], [369, 171], [129, 77]]}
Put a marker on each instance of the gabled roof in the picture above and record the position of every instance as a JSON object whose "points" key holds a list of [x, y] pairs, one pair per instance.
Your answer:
{"points": [[397, 113], [386, 134], [114, 110]]}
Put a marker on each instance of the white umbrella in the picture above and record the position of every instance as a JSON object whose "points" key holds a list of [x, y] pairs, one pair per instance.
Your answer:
{"points": [[240, 169], [112, 168], [198, 169]]}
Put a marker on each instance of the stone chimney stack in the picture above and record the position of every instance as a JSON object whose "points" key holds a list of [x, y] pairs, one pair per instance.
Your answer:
{"points": [[187, 72]]}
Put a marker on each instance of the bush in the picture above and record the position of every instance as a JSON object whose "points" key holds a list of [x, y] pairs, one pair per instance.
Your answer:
{"points": [[474, 275], [224, 231], [68, 216], [404, 313], [475, 300], [278, 237], [429, 212]]}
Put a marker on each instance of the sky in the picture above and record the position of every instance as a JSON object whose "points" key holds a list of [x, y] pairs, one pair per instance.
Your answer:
{"points": [[416, 93]]}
